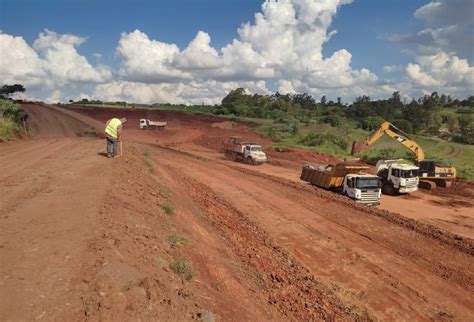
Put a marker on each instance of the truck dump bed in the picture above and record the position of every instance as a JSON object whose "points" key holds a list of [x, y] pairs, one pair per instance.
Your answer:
{"points": [[329, 176], [158, 123], [234, 147]]}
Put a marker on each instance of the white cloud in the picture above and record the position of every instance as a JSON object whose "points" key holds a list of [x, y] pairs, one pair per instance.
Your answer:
{"points": [[19, 63], [282, 46], [392, 68], [54, 98], [448, 27], [439, 47], [442, 71], [148, 61], [199, 54], [51, 65], [209, 92], [62, 61], [284, 43]]}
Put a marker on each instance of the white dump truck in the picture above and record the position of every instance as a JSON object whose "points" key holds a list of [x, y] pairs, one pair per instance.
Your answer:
{"points": [[146, 124], [397, 177], [348, 179], [236, 150]]}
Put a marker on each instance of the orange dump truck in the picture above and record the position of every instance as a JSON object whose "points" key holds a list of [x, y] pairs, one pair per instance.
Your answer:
{"points": [[347, 179]]}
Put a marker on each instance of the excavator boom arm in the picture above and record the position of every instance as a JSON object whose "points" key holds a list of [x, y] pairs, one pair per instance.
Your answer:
{"points": [[393, 132]]}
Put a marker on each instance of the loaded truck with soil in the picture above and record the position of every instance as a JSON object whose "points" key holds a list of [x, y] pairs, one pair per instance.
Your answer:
{"points": [[350, 180], [236, 149], [146, 124], [397, 177]]}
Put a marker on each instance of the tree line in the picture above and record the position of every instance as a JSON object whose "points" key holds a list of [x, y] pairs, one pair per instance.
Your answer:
{"points": [[432, 114]]}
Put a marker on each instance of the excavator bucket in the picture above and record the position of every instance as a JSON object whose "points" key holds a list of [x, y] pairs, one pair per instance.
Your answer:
{"points": [[357, 146]]}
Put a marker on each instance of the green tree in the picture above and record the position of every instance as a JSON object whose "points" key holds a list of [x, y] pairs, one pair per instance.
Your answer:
{"points": [[404, 125], [323, 100], [415, 114], [466, 129], [7, 90]]}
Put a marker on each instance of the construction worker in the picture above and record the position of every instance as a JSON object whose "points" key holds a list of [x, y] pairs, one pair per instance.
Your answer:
{"points": [[113, 130]]}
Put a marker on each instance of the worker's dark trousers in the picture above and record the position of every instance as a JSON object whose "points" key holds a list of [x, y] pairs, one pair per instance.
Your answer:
{"points": [[111, 146]]}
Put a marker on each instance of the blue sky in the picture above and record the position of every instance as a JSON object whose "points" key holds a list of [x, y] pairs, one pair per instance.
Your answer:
{"points": [[365, 29]]}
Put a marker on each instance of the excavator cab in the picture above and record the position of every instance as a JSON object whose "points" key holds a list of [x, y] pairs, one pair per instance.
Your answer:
{"points": [[427, 168]]}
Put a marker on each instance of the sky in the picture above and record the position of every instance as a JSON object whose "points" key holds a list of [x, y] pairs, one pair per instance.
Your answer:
{"points": [[196, 51]]}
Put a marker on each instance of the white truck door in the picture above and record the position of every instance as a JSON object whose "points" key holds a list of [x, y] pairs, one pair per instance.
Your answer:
{"points": [[247, 151], [349, 186]]}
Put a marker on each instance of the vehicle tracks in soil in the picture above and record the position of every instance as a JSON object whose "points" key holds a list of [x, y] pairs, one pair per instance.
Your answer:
{"points": [[375, 258]]}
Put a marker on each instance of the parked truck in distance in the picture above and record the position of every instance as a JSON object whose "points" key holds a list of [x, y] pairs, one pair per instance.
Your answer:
{"points": [[397, 177], [146, 124], [236, 149], [350, 180]]}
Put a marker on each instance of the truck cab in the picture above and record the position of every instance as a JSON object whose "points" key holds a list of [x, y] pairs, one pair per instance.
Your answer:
{"points": [[143, 123], [254, 153], [364, 188], [397, 177]]}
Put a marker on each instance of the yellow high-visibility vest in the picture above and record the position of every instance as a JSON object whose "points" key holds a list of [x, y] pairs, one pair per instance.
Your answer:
{"points": [[112, 128]]}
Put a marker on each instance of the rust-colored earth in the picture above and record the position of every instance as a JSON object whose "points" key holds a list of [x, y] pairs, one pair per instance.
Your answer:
{"points": [[173, 231]]}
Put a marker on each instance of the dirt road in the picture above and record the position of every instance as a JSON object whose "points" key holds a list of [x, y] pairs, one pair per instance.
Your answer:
{"points": [[172, 231]]}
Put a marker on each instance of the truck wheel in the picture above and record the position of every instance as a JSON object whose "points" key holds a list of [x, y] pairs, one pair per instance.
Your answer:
{"points": [[388, 189], [249, 160]]}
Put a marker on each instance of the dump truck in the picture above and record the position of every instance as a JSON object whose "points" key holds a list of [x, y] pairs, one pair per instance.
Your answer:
{"points": [[397, 177], [146, 124], [350, 180], [236, 149]]}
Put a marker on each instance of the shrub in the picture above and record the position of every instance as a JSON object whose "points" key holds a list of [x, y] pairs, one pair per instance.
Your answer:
{"points": [[371, 123], [183, 269], [8, 129], [176, 239], [9, 110], [373, 156], [315, 139], [167, 208], [312, 139], [404, 125], [9, 115], [334, 120]]}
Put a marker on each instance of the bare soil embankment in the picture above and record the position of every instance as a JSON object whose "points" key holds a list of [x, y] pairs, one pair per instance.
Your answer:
{"points": [[174, 231]]}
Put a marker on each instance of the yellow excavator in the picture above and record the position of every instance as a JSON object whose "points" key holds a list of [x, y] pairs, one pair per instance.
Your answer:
{"points": [[431, 173]]}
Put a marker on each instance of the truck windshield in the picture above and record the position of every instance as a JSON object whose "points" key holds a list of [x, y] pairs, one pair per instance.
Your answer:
{"points": [[363, 183], [408, 173], [256, 148]]}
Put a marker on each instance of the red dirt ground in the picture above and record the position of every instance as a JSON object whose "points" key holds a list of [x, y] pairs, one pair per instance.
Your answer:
{"points": [[88, 238]]}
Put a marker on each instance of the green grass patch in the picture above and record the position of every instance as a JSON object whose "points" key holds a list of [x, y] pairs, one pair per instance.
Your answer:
{"points": [[165, 191], [8, 129], [175, 239], [149, 165], [146, 154], [183, 269], [337, 141], [167, 208]]}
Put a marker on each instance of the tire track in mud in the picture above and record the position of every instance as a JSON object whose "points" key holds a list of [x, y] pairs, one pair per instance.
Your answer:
{"points": [[289, 286], [410, 251], [463, 244]]}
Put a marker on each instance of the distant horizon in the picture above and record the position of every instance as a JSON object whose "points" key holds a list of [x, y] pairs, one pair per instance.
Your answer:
{"points": [[196, 52]]}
